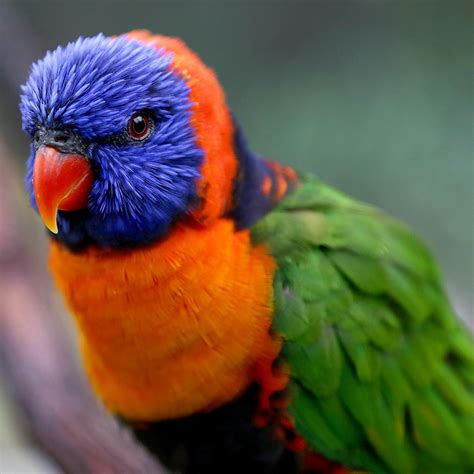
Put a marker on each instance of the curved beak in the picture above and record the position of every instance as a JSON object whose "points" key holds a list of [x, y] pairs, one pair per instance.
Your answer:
{"points": [[61, 181]]}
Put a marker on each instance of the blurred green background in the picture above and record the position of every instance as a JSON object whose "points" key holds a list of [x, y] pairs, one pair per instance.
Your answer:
{"points": [[374, 97]]}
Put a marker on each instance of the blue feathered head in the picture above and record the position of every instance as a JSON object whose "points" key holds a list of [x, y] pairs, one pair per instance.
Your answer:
{"points": [[113, 145]]}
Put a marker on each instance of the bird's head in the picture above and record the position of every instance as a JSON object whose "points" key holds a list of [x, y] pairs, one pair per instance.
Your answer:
{"points": [[128, 135]]}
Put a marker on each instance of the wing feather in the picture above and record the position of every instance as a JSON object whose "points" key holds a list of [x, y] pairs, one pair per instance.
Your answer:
{"points": [[381, 369]]}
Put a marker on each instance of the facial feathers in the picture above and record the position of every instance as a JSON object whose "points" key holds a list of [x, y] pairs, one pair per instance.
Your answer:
{"points": [[91, 88]]}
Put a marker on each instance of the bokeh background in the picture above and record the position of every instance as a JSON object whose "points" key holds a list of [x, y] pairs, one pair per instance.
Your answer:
{"points": [[374, 97]]}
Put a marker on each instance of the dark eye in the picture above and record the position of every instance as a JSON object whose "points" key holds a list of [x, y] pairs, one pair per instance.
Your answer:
{"points": [[139, 126]]}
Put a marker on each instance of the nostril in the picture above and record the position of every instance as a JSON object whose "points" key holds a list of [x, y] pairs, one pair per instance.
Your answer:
{"points": [[63, 140], [62, 137]]}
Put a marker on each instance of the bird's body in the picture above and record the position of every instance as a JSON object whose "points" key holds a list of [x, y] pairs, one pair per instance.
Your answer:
{"points": [[250, 317], [155, 361]]}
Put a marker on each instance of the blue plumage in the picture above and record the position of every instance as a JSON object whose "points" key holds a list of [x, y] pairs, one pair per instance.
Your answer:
{"points": [[250, 204], [91, 88]]}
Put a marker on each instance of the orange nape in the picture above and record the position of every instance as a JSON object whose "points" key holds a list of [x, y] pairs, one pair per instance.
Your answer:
{"points": [[173, 328]]}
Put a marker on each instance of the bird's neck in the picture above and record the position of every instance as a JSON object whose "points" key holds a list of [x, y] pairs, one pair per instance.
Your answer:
{"points": [[259, 184], [171, 328]]}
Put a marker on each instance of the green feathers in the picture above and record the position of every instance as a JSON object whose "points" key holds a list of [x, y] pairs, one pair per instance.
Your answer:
{"points": [[382, 372]]}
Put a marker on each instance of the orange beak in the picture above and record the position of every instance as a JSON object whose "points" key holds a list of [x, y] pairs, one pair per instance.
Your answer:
{"points": [[62, 182]]}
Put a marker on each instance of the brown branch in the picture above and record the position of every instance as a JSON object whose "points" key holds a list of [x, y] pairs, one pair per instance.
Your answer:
{"points": [[37, 364]]}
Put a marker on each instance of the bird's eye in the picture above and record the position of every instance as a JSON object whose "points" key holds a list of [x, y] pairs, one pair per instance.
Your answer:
{"points": [[139, 126]]}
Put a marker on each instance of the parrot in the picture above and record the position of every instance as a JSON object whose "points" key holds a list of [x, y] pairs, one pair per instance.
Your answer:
{"points": [[234, 313]]}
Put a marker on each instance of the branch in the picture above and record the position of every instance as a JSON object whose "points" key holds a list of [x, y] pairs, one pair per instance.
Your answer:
{"points": [[38, 366]]}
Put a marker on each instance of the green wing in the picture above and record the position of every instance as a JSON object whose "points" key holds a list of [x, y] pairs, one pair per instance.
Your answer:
{"points": [[381, 370]]}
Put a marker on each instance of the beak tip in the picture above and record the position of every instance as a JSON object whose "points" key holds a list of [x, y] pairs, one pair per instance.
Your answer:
{"points": [[51, 223], [49, 215]]}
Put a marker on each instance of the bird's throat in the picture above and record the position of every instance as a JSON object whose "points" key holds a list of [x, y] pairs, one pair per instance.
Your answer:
{"points": [[173, 328]]}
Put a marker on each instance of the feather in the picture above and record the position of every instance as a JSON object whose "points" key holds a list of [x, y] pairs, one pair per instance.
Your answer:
{"points": [[381, 370]]}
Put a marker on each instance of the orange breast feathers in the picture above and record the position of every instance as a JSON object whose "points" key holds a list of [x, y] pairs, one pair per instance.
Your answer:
{"points": [[173, 328]]}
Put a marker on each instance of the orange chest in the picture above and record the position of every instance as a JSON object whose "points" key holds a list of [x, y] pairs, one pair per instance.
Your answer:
{"points": [[172, 328]]}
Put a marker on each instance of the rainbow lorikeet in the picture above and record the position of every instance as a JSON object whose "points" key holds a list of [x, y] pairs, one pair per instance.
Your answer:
{"points": [[236, 314]]}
